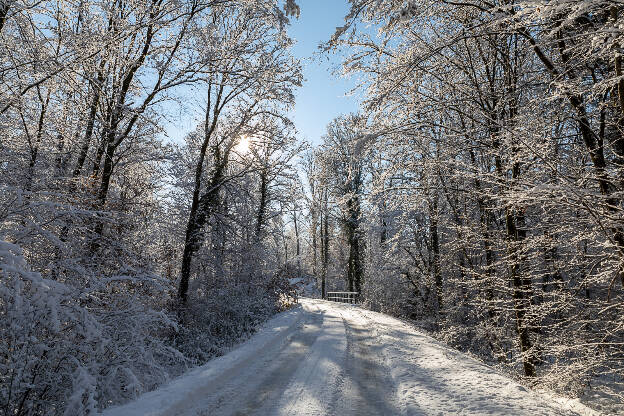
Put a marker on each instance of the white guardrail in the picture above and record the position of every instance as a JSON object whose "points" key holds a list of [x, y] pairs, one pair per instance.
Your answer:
{"points": [[343, 297]]}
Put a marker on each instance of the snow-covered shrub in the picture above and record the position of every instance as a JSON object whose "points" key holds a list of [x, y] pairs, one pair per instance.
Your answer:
{"points": [[68, 350], [223, 316], [40, 352]]}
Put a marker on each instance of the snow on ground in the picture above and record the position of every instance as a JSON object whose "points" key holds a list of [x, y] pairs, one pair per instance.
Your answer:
{"points": [[433, 379], [324, 358], [305, 286]]}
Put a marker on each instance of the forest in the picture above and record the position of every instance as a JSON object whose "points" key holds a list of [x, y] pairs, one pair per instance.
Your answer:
{"points": [[478, 192]]}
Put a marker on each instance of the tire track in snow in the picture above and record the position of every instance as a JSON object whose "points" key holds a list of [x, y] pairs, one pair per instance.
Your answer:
{"points": [[367, 387], [257, 384], [285, 364], [335, 359], [313, 386]]}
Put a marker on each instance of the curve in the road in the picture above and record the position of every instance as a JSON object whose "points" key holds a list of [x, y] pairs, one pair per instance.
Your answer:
{"points": [[325, 358]]}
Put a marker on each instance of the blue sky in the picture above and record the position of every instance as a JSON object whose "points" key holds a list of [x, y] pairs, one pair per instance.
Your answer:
{"points": [[322, 97]]}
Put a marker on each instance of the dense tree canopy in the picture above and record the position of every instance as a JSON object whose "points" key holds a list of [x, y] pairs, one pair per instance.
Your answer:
{"points": [[479, 191], [491, 194], [94, 198]]}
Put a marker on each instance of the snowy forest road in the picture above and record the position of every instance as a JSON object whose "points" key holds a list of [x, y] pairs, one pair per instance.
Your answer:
{"points": [[324, 358]]}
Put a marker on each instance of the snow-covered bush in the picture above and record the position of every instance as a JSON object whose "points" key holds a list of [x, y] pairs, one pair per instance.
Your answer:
{"points": [[71, 350], [40, 356], [92, 224], [216, 321]]}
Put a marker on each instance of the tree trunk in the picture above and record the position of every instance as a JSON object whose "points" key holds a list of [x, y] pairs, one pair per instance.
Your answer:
{"points": [[84, 149], [435, 249], [102, 144], [202, 208], [297, 243], [107, 169], [34, 147], [313, 232], [325, 244], [522, 291], [262, 204], [198, 217], [354, 272], [4, 11]]}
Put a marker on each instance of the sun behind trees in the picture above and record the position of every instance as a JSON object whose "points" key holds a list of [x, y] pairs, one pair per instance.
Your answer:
{"points": [[95, 203], [478, 192]]}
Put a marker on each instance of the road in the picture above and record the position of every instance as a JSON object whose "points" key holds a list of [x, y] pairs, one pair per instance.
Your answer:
{"points": [[324, 358]]}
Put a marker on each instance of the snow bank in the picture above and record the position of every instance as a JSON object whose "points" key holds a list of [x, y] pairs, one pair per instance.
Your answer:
{"points": [[190, 385], [432, 378]]}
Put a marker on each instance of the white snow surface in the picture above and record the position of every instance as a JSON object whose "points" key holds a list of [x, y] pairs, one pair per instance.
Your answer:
{"points": [[324, 358]]}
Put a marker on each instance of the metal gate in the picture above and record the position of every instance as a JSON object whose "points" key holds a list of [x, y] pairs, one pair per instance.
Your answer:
{"points": [[343, 297]]}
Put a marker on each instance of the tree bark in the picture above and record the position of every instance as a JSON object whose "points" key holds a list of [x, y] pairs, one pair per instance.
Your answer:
{"points": [[86, 141], [262, 204], [354, 271], [435, 249], [202, 208], [197, 221], [4, 11], [325, 243], [297, 242]]}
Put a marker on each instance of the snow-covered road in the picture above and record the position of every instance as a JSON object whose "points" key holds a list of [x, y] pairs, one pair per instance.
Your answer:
{"points": [[325, 358]]}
